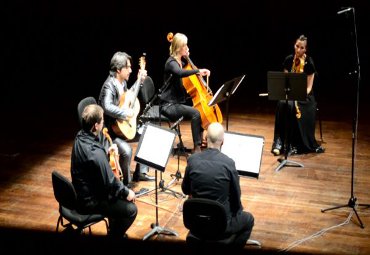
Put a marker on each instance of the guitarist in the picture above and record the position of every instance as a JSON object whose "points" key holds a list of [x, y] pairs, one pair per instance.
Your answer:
{"points": [[112, 90]]}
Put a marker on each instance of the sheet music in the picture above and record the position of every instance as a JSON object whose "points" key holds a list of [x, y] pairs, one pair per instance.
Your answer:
{"points": [[245, 150], [161, 138], [215, 95], [228, 90]]}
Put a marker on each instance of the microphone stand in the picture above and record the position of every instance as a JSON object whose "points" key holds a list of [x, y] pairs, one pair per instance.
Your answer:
{"points": [[164, 188], [180, 150], [158, 95], [352, 202]]}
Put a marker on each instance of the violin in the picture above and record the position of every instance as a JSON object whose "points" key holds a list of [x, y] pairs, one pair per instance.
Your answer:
{"points": [[113, 158], [298, 67]]}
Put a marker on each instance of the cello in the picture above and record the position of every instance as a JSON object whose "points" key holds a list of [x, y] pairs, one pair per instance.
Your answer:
{"points": [[201, 95]]}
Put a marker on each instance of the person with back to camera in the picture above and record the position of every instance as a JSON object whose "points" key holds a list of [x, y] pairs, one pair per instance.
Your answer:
{"points": [[302, 117], [211, 174]]}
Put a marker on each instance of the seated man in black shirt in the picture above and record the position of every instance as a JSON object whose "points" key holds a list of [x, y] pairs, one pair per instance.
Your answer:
{"points": [[211, 174], [98, 190]]}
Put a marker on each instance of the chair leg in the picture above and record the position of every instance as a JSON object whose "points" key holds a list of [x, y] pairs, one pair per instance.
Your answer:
{"points": [[106, 225], [58, 222]]}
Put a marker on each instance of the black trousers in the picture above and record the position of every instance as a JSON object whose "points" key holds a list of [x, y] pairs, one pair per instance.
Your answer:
{"points": [[174, 111], [241, 224], [120, 213]]}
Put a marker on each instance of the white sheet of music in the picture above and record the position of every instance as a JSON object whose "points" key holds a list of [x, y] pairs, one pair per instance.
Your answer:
{"points": [[245, 150], [156, 145]]}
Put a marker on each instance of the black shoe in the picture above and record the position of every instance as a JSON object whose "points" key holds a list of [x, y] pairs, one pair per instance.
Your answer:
{"points": [[131, 185], [320, 149], [293, 151], [143, 177], [275, 151], [277, 147]]}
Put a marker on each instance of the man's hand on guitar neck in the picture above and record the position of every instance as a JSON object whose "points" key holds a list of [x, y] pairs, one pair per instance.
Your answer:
{"points": [[141, 75]]}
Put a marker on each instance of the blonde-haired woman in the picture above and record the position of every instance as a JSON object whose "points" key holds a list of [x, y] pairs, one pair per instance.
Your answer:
{"points": [[174, 96]]}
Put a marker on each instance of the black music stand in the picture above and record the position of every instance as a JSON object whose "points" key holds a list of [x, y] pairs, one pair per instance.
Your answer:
{"points": [[224, 92], [153, 150], [288, 87]]}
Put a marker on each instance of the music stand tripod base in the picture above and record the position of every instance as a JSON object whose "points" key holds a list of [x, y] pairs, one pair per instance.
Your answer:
{"points": [[287, 162], [159, 230], [166, 139]]}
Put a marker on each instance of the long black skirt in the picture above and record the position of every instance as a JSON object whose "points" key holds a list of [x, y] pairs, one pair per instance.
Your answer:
{"points": [[298, 132]]}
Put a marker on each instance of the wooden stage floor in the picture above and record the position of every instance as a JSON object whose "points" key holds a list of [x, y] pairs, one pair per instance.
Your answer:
{"points": [[286, 204]]}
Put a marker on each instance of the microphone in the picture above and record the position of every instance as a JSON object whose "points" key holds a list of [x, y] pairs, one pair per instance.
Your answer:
{"points": [[345, 10], [165, 84], [168, 79], [177, 122]]}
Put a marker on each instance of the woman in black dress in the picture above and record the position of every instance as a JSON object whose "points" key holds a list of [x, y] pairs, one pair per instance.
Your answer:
{"points": [[302, 114]]}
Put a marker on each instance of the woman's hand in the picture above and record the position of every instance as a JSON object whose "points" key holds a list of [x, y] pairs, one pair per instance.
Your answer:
{"points": [[204, 72]]}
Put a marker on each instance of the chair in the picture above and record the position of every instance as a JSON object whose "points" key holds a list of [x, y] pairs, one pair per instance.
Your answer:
{"points": [[149, 99], [66, 196], [81, 106], [206, 220]]}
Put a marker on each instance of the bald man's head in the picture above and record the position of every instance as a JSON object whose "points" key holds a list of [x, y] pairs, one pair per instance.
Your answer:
{"points": [[215, 135]]}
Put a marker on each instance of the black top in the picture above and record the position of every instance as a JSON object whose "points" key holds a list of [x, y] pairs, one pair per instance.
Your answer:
{"points": [[91, 173], [211, 174], [309, 67], [175, 92]]}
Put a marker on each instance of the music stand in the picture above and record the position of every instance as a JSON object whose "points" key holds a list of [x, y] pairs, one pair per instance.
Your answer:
{"points": [[288, 87], [154, 148], [246, 151], [224, 92]]}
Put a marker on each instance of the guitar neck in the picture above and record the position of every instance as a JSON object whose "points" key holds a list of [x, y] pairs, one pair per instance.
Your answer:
{"points": [[138, 83]]}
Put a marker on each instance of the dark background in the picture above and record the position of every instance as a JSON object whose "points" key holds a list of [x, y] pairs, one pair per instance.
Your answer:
{"points": [[55, 53]]}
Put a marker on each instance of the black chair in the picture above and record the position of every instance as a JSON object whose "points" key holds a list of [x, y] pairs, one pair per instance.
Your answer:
{"points": [[66, 196], [81, 106], [206, 220], [150, 104]]}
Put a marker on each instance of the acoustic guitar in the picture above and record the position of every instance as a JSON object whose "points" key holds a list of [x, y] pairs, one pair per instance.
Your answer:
{"points": [[127, 128]]}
